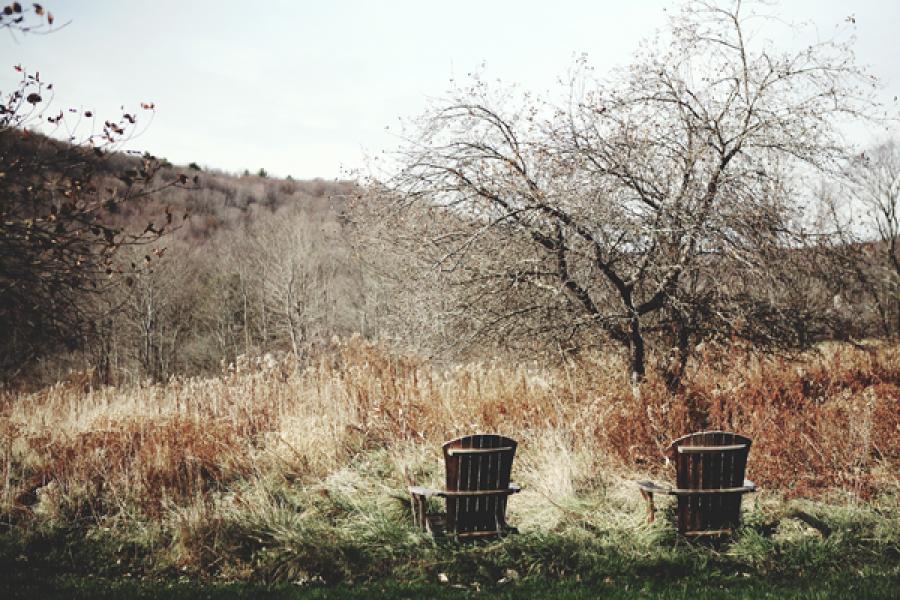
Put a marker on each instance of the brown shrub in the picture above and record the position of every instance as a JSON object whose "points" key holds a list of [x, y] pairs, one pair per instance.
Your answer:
{"points": [[137, 463]]}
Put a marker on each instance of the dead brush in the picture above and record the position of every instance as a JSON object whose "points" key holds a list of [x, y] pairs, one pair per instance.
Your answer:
{"points": [[132, 464], [827, 420], [823, 421]]}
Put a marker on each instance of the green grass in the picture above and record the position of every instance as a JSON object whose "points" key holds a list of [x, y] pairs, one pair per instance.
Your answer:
{"points": [[351, 534], [343, 546], [337, 544], [871, 586]]}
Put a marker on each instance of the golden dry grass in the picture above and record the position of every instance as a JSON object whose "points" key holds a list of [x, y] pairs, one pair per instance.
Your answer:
{"points": [[827, 421]]}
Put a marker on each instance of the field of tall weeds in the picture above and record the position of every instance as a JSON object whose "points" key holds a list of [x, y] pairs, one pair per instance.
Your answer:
{"points": [[276, 472]]}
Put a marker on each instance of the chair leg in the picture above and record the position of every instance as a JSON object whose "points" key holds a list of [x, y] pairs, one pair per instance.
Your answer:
{"points": [[648, 496], [420, 518]]}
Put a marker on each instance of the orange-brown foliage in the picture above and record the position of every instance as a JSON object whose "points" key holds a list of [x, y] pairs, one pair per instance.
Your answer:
{"points": [[828, 420], [820, 423], [139, 462]]}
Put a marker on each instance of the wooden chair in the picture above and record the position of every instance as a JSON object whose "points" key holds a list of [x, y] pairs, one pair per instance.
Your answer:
{"points": [[477, 488], [710, 483]]}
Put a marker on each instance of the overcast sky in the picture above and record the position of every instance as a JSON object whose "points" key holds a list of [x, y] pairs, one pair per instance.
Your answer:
{"points": [[307, 88]]}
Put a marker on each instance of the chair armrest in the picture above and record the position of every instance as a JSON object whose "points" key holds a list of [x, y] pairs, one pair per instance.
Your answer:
{"points": [[425, 492], [702, 492], [653, 488], [417, 490]]}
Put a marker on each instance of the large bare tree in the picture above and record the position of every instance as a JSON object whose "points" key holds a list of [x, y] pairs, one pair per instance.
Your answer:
{"points": [[660, 202]]}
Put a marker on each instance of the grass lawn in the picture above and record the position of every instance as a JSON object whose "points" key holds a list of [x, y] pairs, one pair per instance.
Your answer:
{"points": [[856, 586], [796, 549]]}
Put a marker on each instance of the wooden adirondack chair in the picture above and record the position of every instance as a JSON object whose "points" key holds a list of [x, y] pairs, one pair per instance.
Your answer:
{"points": [[476, 491], [710, 482]]}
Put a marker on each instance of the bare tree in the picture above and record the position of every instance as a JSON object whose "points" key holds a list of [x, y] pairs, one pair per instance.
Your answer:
{"points": [[157, 309], [617, 214], [292, 280], [864, 214]]}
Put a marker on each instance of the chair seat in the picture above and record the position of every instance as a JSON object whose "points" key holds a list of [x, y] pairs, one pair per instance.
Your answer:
{"points": [[436, 525]]}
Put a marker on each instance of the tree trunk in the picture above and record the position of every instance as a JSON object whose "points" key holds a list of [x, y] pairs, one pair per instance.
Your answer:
{"points": [[638, 359], [678, 363]]}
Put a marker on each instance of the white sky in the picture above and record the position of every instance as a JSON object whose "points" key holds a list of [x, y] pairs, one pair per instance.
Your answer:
{"points": [[308, 87]]}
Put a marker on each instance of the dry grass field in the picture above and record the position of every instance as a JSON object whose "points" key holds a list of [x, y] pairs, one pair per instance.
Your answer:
{"points": [[273, 473]]}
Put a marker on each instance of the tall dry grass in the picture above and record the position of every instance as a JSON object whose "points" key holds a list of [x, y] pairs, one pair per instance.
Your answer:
{"points": [[827, 421]]}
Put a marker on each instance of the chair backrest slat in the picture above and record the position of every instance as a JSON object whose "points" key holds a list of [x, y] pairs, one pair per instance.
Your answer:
{"points": [[702, 449], [477, 463], [453, 451]]}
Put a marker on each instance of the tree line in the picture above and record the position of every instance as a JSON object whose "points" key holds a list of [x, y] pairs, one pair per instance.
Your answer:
{"points": [[705, 193]]}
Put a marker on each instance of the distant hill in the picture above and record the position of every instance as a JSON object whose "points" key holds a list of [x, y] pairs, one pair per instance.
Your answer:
{"points": [[225, 201], [218, 200]]}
